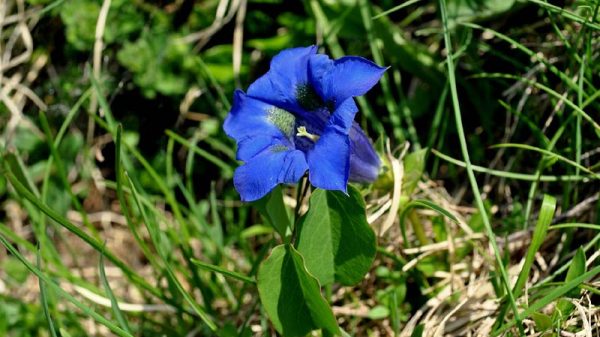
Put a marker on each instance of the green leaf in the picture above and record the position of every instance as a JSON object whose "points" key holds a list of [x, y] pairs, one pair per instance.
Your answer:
{"points": [[576, 269], [378, 312], [15, 164], [15, 271], [44, 300], [3, 185], [155, 237], [159, 63], [550, 297], [223, 271], [113, 300], [539, 235], [273, 210], [80, 19], [50, 283], [414, 165], [335, 238], [418, 331], [291, 296], [542, 321], [421, 203], [466, 10]]}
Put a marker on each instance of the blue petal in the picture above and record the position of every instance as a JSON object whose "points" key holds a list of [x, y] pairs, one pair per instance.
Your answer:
{"points": [[364, 161], [288, 71], [349, 76], [249, 117], [251, 146], [343, 116], [329, 160], [261, 174], [319, 66]]}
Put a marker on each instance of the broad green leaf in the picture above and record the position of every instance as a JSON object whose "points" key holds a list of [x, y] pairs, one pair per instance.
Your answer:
{"points": [[414, 165], [273, 210], [542, 321], [291, 296], [335, 238]]}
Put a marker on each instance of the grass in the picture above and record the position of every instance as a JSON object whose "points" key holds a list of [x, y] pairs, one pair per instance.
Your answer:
{"points": [[138, 231]]}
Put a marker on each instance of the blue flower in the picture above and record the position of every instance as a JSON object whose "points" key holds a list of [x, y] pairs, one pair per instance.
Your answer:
{"points": [[299, 116]]}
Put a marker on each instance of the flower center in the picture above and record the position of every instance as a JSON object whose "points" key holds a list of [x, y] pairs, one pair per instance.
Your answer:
{"points": [[303, 133], [308, 97]]}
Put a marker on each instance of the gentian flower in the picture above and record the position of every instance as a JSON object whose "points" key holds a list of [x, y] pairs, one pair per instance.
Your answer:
{"points": [[299, 116]]}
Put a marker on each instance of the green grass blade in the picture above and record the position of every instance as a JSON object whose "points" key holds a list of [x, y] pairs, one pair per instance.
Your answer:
{"points": [[396, 8], [71, 116], [565, 13], [437, 118], [539, 234], [14, 164], [50, 7], [390, 102], [154, 235], [123, 201], [550, 154], [511, 175], [575, 225], [534, 55], [336, 51], [44, 300], [43, 278], [551, 297], [113, 301], [467, 160], [49, 250], [550, 91], [424, 204], [223, 271], [62, 174], [97, 245], [14, 237], [227, 169]]}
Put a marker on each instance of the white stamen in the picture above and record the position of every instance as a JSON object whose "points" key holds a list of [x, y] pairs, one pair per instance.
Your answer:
{"points": [[303, 133]]}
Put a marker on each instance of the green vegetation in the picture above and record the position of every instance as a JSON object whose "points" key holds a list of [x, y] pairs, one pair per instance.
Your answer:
{"points": [[118, 215]]}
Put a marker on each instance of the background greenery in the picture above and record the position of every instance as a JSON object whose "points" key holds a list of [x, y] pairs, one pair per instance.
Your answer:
{"points": [[116, 175]]}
